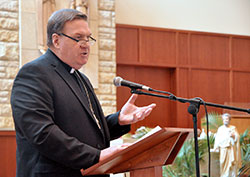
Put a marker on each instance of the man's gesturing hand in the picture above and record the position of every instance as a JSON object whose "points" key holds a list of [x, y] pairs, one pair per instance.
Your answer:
{"points": [[130, 113]]}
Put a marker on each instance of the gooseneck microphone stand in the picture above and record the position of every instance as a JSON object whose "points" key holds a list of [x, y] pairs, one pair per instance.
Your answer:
{"points": [[192, 109]]}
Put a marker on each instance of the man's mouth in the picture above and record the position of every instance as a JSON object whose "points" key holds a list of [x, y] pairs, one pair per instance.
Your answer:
{"points": [[84, 53]]}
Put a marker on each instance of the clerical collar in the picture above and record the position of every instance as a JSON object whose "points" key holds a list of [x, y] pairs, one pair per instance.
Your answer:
{"points": [[67, 67], [72, 71]]}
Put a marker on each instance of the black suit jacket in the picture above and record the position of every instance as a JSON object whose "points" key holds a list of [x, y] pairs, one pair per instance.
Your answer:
{"points": [[56, 133]]}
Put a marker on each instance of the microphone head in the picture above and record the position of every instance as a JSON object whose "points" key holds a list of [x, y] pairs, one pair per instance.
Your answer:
{"points": [[117, 81]]}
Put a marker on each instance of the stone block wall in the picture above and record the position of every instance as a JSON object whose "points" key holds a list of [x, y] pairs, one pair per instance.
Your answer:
{"points": [[107, 57], [9, 57]]}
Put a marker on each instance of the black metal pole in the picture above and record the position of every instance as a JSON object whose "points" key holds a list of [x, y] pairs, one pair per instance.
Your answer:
{"points": [[194, 109]]}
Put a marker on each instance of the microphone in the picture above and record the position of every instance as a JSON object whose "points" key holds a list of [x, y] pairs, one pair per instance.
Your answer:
{"points": [[118, 81]]}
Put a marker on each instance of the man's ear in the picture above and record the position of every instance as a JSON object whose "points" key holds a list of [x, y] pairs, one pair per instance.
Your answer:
{"points": [[55, 40]]}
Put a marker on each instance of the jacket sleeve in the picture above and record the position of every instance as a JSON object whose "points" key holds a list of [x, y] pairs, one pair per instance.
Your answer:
{"points": [[33, 113], [115, 129]]}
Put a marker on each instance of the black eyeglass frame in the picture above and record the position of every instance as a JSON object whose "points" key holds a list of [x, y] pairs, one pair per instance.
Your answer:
{"points": [[91, 42]]}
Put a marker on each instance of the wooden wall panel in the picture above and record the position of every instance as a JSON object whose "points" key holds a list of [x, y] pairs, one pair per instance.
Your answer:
{"points": [[241, 87], [158, 47], [183, 82], [209, 51], [241, 53], [215, 67], [7, 153], [183, 54], [128, 51], [161, 80], [184, 119], [212, 86]]}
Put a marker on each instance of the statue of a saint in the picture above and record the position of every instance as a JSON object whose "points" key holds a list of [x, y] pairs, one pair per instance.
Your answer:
{"points": [[227, 142]]}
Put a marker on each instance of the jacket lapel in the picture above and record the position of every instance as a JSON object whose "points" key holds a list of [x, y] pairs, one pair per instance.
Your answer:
{"points": [[69, 80]]}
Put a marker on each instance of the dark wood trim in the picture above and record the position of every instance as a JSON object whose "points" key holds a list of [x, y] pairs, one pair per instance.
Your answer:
{"points": [[7, 133], [8, 153]]}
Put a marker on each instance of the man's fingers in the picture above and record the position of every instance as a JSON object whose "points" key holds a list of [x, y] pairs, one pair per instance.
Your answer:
{"points": [[148, 111], [139, 114], [151, 105], [132, 98]]}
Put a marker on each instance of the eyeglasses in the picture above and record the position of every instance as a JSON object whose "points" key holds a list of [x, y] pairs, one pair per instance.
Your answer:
{"points": [[81, 42]]}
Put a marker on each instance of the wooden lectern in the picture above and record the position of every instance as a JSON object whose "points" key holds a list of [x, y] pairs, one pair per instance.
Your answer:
{"points": [[145, 157]]}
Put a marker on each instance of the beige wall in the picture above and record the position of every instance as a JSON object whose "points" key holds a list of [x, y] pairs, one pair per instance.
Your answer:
{"points": [[28, 31], [223, 16]]}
